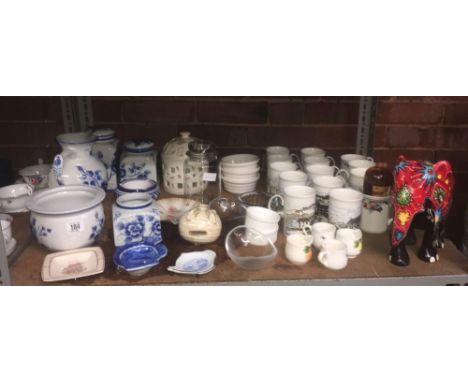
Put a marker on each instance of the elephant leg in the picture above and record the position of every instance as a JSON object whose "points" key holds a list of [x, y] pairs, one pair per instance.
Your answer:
{"points": [[398, 255], [411, 236], [428, 250]]}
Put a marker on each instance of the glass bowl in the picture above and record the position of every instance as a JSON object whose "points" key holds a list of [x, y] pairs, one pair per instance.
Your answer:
{"points": [[254, 199], [249, 249]]}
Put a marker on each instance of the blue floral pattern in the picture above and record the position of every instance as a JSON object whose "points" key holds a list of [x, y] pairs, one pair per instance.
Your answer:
{"points": [[39, 230], [97, 228], [91, 178], [134, 171], [134, 230]]}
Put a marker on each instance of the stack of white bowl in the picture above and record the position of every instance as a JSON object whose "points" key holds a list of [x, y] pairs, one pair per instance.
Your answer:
{"points": [[240, 173]]}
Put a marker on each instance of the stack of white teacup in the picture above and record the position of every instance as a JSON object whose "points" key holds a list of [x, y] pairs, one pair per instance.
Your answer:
{"points": [[240, 173]]}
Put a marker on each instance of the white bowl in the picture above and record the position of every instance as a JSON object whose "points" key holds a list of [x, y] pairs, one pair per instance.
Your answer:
{"points": [[14, 198], [240, 170], [67, 217], [242, 179], [240, 160], [239, 188], [36, 176]]}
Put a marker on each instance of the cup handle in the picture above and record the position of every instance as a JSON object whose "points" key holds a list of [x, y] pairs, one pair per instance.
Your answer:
{"points": [[344, 172], [274, 197], [30, 189], [389, 222], [322, 257], [307, 231], [297, 161], [332, 161], [370, 159]]}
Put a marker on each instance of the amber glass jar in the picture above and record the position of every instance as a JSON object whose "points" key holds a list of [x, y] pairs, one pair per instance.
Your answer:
{"points": [[378, 180]]}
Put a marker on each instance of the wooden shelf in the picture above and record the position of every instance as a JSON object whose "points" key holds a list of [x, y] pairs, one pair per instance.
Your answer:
{"points": [[370, 268]]}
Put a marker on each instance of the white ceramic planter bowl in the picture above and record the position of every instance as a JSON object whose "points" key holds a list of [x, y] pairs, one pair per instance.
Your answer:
{"points": [[14, 198], [240, 160], [67, 217], [242, 179]]}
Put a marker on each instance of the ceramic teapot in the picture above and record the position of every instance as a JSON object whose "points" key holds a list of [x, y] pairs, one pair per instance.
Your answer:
{"points": [[75, 165], [200, 225]]}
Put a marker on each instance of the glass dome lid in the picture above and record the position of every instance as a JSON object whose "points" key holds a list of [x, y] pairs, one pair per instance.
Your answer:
{"points": [[177, 147], [139, 145]]}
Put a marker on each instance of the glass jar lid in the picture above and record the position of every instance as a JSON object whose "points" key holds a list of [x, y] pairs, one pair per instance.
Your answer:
{"points": [[200, 147], [177, 147], [139, 146]]}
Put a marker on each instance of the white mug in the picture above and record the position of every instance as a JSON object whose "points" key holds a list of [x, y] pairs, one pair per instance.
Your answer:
{"points": [[295, 198], [360, 163], [376, 212], [5, 225], [292, 178], [274, 171], [314, 170], [333, 255], [264, 221], [316, 160], [298, 248], [323, 184], [352, 238], [311, 152], [356, 178], [277, 150], [345, 206], [322, 231], [346, 158]]}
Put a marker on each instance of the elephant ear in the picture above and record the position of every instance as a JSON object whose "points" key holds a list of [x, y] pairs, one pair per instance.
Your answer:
{"points": [[444, 175], [401, 158]]}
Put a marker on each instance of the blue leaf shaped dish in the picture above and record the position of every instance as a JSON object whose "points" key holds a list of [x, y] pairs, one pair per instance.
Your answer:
{"points": [[138, 259]]}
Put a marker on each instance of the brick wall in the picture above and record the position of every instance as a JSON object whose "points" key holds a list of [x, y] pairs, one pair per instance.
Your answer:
{"points": [[431, 128]]}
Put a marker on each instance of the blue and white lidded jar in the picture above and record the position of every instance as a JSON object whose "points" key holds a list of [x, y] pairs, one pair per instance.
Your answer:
{"points": [[138, 161], [136, 220], [75, 165], [145, 186], [105, 149]]}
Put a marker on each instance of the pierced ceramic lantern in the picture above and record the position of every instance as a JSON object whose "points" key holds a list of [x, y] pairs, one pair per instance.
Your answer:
{"points": [[173, 157]]}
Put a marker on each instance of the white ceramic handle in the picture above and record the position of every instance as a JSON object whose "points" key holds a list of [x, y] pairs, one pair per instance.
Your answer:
{"points": [[322, 258], [389, 222], [277, 196], [370, 159], [30, 189], [342, 171], [332, 161]]}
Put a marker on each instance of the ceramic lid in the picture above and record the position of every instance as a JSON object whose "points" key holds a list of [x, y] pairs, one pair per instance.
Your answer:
{"points": [[139, 145], [104, 134], [65, 200], [76, 138], [177, 147]]}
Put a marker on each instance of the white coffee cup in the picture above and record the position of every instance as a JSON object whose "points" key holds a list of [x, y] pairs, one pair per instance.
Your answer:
{"points": [[356, 178], [352, 238], [314, 170], [311, 152], [323, 184], [295, 198], [292, 178], [346, 158], [5, 224], [333, 255], [298, 248], [322, 231], [376, 212], [275, 150], [345, 206], [264, 221], [360, 163], [274, 171], [318, 160], [13, 198]]}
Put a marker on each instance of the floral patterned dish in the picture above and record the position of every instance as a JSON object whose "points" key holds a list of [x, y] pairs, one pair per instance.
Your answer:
{"points": [[194, 263], [172, 209], [138, 259], [73, 264]]}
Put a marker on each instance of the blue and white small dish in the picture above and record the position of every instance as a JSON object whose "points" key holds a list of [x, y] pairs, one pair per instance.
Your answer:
{"points": [[146, 186], [138, 259], [194, 263]]}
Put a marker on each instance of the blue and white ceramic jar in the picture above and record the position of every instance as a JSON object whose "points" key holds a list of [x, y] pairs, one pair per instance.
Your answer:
{"points": [[145, 186], [75, 165], [105, 149], [136, 220], [138, 161]]}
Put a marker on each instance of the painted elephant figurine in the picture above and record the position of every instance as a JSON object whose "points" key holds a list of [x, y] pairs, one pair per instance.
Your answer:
{"points": [[420, 187]]}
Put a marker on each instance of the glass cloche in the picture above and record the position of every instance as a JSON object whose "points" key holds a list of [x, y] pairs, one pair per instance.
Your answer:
{"points": [[173, 157]]}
